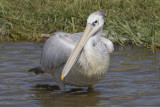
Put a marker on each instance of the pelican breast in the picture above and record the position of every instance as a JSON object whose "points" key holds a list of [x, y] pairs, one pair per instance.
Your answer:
{"points": [[91, 66]]}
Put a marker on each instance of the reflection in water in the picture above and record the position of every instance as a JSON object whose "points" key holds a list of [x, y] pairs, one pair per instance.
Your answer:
{"points": [[133, 80], [77, 97]]}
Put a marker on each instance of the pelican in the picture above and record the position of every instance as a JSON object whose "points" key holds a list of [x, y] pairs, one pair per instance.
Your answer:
{"points": [[79, 59]]}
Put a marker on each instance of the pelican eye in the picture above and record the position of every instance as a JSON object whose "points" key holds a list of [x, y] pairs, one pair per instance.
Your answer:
{"points": [[95, 23]]}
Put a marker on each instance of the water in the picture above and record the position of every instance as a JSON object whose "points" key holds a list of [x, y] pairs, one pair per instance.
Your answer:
{"points": [[133, 80]]}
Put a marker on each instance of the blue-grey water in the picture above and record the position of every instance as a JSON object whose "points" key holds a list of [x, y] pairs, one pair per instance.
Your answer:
{"points": [[133, 80]]}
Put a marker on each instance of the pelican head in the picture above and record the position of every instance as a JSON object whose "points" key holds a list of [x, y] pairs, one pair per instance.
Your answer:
{"points": [[94, 23], [96, 20]]}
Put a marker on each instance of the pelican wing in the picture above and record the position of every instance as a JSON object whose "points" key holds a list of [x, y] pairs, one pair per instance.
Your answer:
{"points": [[57, 49], [108, 44]]}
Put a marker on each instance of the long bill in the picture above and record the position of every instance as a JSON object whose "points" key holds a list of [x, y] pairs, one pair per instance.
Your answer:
{"points": [[74, 55]]}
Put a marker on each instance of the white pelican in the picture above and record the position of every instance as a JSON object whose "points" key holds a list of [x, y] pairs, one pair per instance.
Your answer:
{"points": [[79, 59]]}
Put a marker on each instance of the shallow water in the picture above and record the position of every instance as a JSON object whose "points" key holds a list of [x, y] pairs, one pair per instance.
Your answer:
{"points": [[133, 80]]}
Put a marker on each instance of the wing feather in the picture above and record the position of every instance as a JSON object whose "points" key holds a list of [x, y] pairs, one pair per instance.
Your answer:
{"points": [[109, 45], [57, 49]]}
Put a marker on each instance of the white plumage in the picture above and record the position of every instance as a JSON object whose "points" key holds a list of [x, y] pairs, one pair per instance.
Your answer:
{"points": [[79, 59]]}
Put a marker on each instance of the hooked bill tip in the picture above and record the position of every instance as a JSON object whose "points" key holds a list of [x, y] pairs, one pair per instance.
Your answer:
{"points": [[62, 77]]}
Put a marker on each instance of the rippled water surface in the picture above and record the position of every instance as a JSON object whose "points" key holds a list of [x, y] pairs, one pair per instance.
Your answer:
{"points": [[133, 80]]}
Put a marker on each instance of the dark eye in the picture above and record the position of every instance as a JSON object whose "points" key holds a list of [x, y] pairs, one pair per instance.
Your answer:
{"points": [[96, 21]]}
